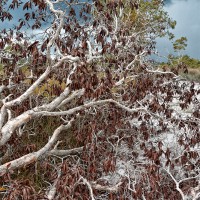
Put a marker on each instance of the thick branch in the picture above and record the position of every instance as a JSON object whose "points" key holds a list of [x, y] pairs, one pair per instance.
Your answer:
{"points": [[112, 189], [32, 157], [66, 152], [28, 92], [88, 105], [8, 129]]}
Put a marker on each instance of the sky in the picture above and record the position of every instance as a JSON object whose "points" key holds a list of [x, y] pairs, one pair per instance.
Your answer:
{"points": [[186, 14]]}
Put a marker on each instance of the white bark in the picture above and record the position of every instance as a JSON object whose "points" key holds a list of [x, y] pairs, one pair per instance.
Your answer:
{"points": [[13, 124], [28, 92], [66, 152], [111, 189], [52, 192], [32, 157], [87, 183]]}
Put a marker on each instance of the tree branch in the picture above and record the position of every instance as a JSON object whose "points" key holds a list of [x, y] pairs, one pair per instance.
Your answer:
{"points": [[32, 157]]}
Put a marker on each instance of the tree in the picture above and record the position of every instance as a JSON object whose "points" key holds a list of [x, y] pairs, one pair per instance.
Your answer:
{"points": [[180, 44], [83, 111]]}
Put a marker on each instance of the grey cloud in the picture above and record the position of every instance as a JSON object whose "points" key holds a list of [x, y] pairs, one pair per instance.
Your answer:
{"points": [[169, 2], [186, 13]]}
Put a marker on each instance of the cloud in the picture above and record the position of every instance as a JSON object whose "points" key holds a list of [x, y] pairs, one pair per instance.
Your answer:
{"points": [[169, 2], [186, 13]]}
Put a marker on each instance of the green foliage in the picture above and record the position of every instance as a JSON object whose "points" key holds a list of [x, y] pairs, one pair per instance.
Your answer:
{"points": [[180, 44], [190, 62], [145, 14], [158, 17]]}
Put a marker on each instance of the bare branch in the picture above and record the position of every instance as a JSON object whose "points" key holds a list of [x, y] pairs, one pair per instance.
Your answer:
{"points": [[32, 157], [74, 151]]}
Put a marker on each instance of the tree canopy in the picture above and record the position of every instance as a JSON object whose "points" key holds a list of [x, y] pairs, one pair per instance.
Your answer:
{"points": [[84, 112]]}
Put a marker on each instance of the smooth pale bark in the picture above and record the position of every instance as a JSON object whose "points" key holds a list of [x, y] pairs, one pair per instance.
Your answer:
{"points": [[15, 123], [67, 152], [30, 90], [9, 128], [32, 157], [112, 189]]}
